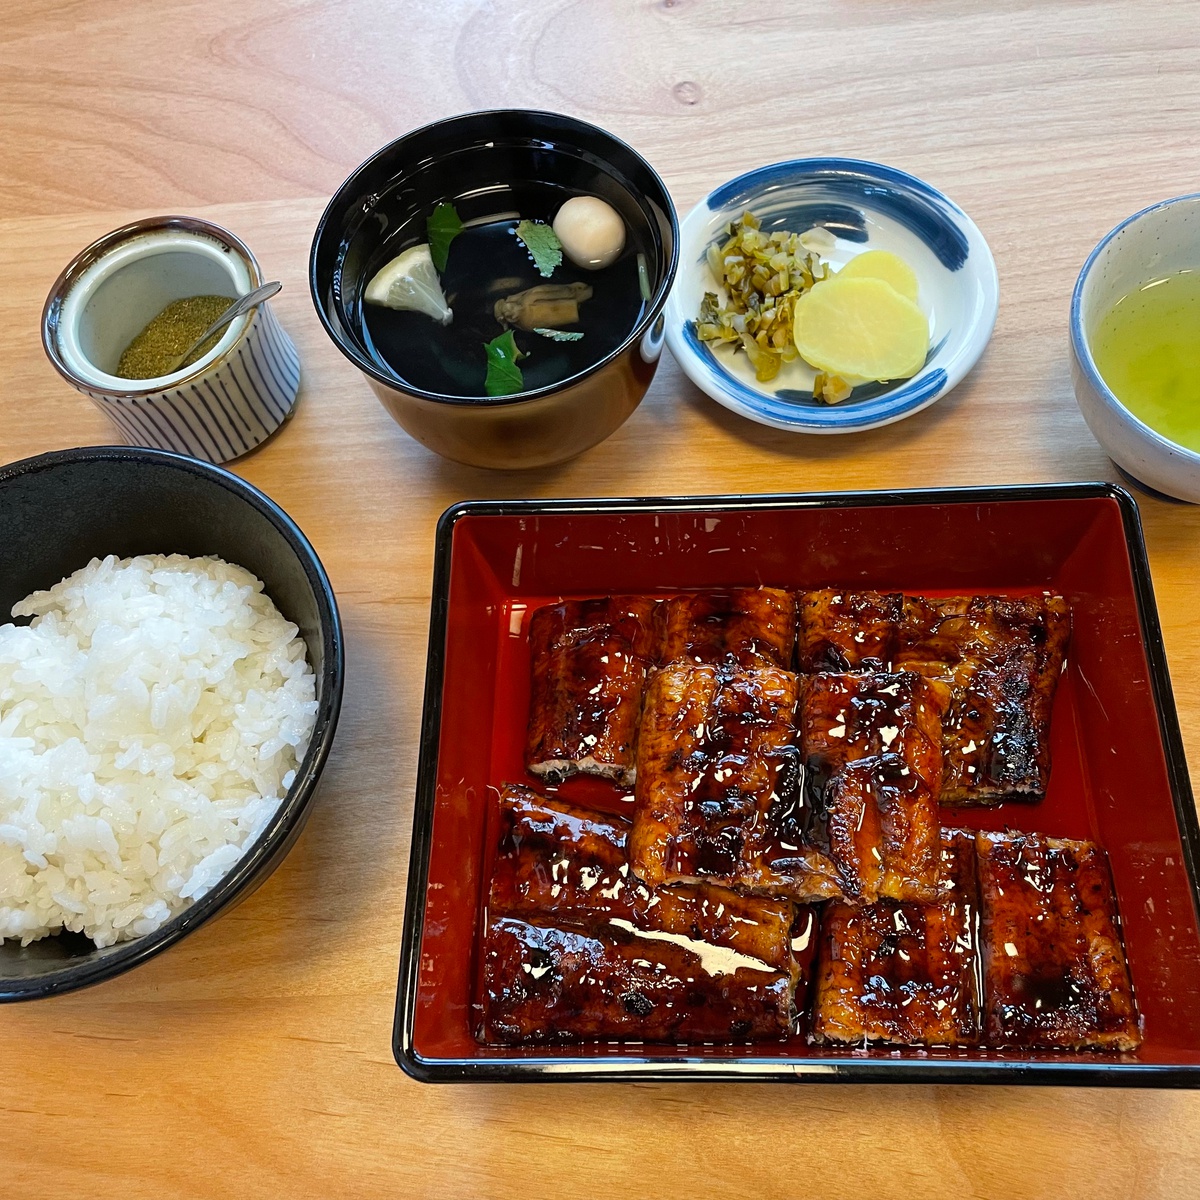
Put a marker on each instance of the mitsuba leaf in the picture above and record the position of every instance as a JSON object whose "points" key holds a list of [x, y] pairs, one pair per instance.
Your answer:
{"points": [[504, 377], [442, 226], [543, 245]]}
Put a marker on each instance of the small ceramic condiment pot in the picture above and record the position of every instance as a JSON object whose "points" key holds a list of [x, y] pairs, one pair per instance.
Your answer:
{"points": [[1158, 241], [218, 408]]}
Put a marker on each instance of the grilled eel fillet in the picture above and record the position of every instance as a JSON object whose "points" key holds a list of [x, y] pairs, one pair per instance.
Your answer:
{"points": [[847, 631], [745, 627], [1054, 971], [722, 794], [590, 659], [903, 973], [1000, 657], [577, 947], [716, 758], [879, 734]]}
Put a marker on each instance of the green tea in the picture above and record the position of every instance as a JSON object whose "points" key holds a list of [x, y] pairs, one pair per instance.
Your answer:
{"points": [[1147, 349]]}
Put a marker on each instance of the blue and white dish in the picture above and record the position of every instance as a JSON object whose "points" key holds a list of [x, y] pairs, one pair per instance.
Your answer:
{"points": [[865, 206], [1161, 240]]}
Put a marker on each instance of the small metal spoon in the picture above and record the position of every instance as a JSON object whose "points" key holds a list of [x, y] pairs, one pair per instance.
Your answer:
{"points": [[242, 305]]}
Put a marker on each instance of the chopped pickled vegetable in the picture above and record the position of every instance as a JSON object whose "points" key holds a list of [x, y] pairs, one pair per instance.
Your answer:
{"points": [[861, 328], [782, 301], [831, 389], [764, 275], [882, 264]]}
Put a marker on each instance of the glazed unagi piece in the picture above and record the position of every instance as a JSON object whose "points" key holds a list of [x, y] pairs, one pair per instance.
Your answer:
{"points": [[577, 947], [590, 661], [546, 983], [720, 794], [1055, 975], [1001, 657], [848, 631], [716, 754], [571, 863], [826, 845], [878, 735], [745, 627], [903, 973], [852, 716], [559, 858]]}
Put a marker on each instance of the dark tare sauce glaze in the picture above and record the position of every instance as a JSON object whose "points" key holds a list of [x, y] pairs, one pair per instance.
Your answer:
{"points": [[730, 745]]}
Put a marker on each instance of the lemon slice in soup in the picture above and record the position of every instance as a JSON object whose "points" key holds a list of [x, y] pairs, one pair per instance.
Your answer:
{"points": [[410, 282], [860, 329], [882, 264]]}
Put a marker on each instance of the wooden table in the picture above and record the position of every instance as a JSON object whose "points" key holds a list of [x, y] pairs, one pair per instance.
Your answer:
{"points": [[254, 1058]]}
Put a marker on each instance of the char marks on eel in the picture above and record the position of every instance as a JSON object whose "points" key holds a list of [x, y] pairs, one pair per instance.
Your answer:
{"points": [[848, 631], [999, 656], [716, 758], [736, 787], [878, 735]]}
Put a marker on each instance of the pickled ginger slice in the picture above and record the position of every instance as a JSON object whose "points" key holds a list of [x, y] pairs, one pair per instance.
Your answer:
{"points": [[410, 283], [861, 329]]}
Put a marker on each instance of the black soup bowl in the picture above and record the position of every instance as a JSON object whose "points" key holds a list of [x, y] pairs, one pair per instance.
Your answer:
{"points": [[61, 510], [493, 166]]}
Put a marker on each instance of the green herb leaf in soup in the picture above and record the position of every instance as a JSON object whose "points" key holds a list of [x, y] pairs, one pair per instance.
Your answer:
{"points": [[442, 226], [543, 245], [504, 377]]}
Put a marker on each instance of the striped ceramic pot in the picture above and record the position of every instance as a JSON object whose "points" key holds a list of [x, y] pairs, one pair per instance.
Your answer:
{"points": [[218, 408]]}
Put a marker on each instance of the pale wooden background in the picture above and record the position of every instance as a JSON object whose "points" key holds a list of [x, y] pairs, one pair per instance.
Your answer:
{"points": [[254, 1059]]}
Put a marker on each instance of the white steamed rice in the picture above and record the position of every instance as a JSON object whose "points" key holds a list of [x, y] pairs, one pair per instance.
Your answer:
{"points": [[151, 720]]}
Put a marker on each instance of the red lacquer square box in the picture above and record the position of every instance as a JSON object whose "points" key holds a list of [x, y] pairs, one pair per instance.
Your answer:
{"points": [[1119, 775]]}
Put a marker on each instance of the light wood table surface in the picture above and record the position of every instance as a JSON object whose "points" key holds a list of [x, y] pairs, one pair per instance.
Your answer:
{"points": [[254, 1059]]}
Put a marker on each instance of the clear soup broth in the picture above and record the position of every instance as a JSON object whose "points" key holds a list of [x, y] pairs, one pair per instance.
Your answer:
{"points": [[487, 263]]}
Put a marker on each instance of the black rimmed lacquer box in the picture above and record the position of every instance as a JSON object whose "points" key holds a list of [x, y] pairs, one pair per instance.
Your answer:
{"points": [[1119, 776]]}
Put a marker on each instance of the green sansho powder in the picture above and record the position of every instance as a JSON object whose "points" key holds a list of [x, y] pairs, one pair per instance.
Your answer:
{"points": [[154, 351]]}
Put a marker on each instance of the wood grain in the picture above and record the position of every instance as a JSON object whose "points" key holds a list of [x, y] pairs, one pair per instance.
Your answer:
{"points": [[254, 1058]]}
